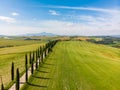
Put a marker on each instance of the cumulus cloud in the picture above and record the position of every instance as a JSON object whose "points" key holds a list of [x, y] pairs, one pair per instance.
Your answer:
{"points": [[7, 19], [14, 14], [53, 12]]}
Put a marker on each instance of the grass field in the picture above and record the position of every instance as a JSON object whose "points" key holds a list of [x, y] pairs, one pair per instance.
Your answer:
{"points": [[14, 54], [12, 41], [16, 42], [75, 65]]}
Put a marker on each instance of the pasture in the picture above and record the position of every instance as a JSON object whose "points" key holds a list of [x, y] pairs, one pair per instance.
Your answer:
{"points": [[78, 65]]}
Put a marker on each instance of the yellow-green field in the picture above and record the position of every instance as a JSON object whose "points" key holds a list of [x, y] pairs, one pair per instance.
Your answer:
{"points": [[14, 54], [78, 65], [16, 42]]}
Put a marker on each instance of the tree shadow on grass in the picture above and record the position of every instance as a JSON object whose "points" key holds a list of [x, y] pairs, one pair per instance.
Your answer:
{"points": [[43, 71], [48, 64], [44, 67], [31, 84], [40, 77]]}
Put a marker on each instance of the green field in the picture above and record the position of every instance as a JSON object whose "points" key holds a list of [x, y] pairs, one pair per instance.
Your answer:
{"points": [[24, 40], [16, 42], [75, 65], [14, 54]]}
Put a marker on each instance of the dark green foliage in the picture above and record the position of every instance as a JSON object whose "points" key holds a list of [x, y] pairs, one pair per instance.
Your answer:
{"points": [[33, 58], [32, 67], [36, 60], [30, 58], [2, 87], [42, 57], [26, 67], [36, 54], [45, 51], [12, 71], [17, 79]]}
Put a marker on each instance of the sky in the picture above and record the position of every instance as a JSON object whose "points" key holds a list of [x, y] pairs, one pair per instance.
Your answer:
{"points": [[61, 17]]}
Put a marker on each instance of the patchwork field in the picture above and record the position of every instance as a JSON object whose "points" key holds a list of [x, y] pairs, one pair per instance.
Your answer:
{"points": [[78, 65], [14, 54]]}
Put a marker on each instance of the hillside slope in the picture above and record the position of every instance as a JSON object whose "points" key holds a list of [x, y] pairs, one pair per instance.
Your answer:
{"points": [[75, 65]]}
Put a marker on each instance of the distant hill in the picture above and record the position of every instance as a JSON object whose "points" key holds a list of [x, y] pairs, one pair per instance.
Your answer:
{"points": [[40, 34], [1, 35], [117, 36]]}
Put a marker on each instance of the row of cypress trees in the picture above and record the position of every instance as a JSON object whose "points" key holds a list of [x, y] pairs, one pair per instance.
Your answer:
{"points": [[35, 58]]}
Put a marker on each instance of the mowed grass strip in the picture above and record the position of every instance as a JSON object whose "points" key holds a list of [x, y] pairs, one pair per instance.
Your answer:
{"points": [[76, 65], [16, 55]]}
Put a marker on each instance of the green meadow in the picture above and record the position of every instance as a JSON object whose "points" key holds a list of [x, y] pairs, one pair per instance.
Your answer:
{"points": [[78, 65], [16, 42], [14, 54]]}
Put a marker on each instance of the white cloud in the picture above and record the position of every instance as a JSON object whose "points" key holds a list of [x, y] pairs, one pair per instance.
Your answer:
{"points": [[53, 12], [84, 8], [106, 22], [62, 28], [14, 14], [7, 19]]}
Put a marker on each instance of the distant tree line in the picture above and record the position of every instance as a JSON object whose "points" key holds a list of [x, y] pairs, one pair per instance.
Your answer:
{"points": [[103, 41]]}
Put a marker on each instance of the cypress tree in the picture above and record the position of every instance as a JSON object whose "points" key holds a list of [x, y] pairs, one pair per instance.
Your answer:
{"points": [[12, 71], [32, 67], [42, 57], [17, 79], [33, 57], [26, 67], [45, 50], [2, 87], [38, 52], [30, 58], [36, 60]]}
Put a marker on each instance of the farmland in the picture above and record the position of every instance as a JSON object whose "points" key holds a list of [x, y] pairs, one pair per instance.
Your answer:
{"points": [[15, 54], [16, 42], [78, 65]]}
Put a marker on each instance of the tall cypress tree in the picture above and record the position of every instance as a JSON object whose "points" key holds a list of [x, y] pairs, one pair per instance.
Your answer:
{"points": [[33, 58], [32, 67], [38, 54], [26, 67], [12, 71], [30, 58], [17, 79], [42, 56], [2, 87], [36, 60]]}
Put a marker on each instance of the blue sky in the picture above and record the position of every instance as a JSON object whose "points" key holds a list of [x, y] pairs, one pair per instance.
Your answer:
{"points": [[64, 17]]}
